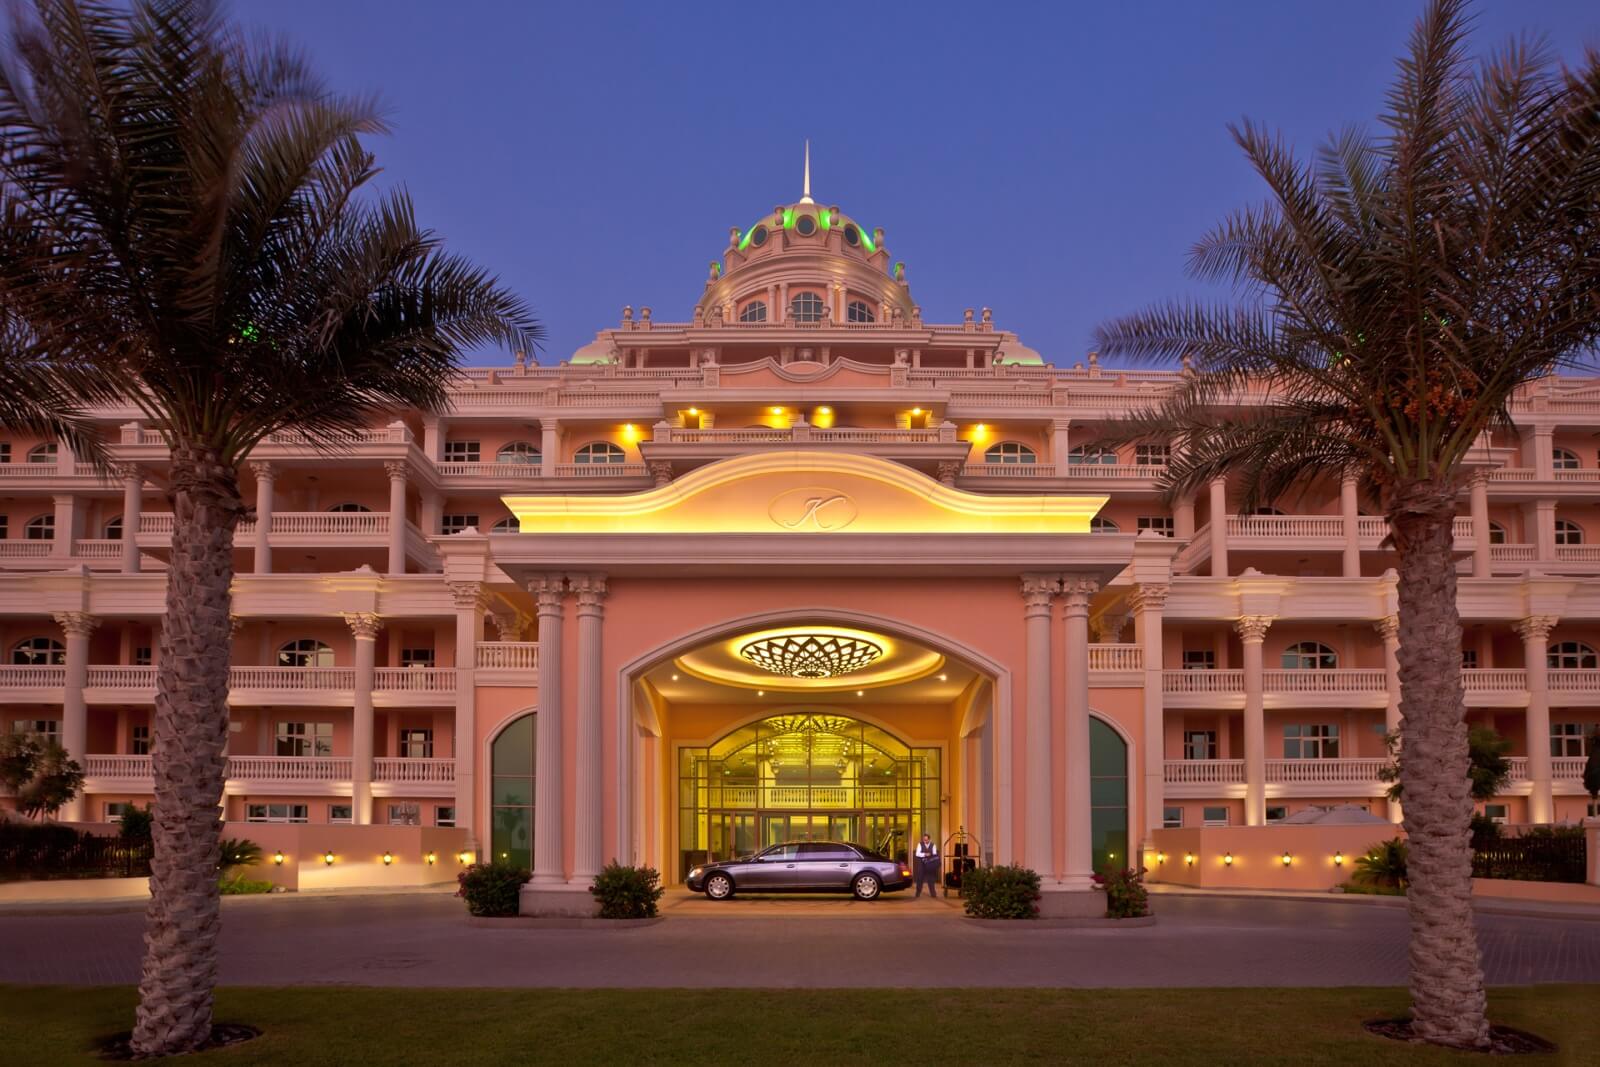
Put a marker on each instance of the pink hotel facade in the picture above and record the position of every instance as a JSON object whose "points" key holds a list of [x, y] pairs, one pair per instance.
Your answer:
{"points": [[803, 565]]}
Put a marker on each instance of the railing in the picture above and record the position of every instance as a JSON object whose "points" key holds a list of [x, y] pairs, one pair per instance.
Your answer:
{"points": [[600, 470], [810, 796], [1285, 526], [289, 768], [849, 436], [511, 471], [1578, 553], [391, 769], [116, 766], [319, 679], [1146, 471], [1516, 768], [29, 677], [120, 677], [155, 522], [1513, 474], [1229, 681], [1341, 680], [414, 680], [1116, 657], [509, 655], [1494, 680], [97, 549], [1009, 470], [1567, 766], [330, 522], [384, 435], [25, 549], [1203, 771], [1574, 681], [1324, 770], [753, 436], [1513, 553]]}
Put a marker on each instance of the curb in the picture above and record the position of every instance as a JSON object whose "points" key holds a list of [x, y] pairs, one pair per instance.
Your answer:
{"points": [[558, 922], [1480, 905], [1085, 923]]}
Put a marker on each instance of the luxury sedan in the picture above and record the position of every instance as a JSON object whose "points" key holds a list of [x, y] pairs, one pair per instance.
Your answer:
{"points": [[804, 866]]}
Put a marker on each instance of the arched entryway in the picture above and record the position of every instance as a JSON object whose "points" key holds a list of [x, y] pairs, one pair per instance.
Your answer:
{"points": [[1108, 794], [511, 791]]}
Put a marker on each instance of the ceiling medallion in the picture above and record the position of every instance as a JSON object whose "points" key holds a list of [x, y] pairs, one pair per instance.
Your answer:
{"points": [[810, 655]]}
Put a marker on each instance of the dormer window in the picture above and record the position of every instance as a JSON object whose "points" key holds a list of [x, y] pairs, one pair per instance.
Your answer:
{"points": [[807, 307], [755, 311], [852, 236], [805, 225], [758, 236]]}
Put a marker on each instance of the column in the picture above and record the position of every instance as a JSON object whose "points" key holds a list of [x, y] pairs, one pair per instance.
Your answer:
{"points": [[396, 470], [1183, 517], [1219, 528], [1388, 629], [549, 446], [1535, 634], [77, 626], [1060, 444], [1350, 514], [1079, 867], [1541, 441], [1147, 602], [588, 813], [364, 627], [433, 437], [1544, 525], [1252, 631], [264, 479], [469, 604], [132, 506], [1038, 846], [549, 797], [1482, 555], [66, 525], [432, 511]]}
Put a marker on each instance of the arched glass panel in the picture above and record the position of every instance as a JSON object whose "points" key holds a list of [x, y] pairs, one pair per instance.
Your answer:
{"points": [[1309, 656], [512, 761], [859, 311], [1108, 796], [305, 652], [1101, 524], [350, 507], [755, 311], [1083, 454], [1009, 452], [45, 453], [508, 524], [112, 531], [39, 652], [40, 528], [518, 452], [1568, 532], [1497, 534], [600, 452], [807, 307], [1571, 656], [1565, 460]]}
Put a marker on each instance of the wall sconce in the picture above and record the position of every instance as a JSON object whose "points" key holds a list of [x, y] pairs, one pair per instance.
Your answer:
{"points": [[277, 857], [1338, 859], [1161, 857], [431, 858], [327, 857], [1287, 859], [388, 858], [1227, 859], [464, 857], [1188, 859]]}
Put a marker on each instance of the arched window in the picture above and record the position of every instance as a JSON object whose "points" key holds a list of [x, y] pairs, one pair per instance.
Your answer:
{"points": [[1564, 459], [1497, 534], [39, 652], [112, 531], [1108, 795], [600, 452], [859, 311], [350, 508], [45, 453], [755, 311], [1090, 454], [40, 528], [1101, 524], [1568, 532], [511, 764], [1310, 656], [509, 524], [518, 452], [1009, 452], [305, 652], [1571, 656], [807, 307]]}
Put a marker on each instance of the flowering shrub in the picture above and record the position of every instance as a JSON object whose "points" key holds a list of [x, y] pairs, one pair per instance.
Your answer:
{"points": [[1003, 892], [492, 889], [1126, 897]]}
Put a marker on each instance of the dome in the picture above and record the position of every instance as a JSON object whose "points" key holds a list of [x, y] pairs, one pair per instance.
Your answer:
{"points": [[806, 218]]}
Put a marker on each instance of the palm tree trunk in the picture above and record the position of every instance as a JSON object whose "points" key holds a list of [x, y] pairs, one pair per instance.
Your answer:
{"points": [[190, 730], [1447, 997]]}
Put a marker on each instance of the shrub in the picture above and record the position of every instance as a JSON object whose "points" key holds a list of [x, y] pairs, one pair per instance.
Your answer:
{"points": [[1484, 829], [1366, 889], [1126, 897], [492, 889], [238, 852], [38, 773], [627, 892], [135, 826], [1003, 892], [1383, 865], [238, 887]]}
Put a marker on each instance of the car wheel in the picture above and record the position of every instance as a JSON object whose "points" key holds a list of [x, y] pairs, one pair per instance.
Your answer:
{"points": [[719, 886], [866, 887]]}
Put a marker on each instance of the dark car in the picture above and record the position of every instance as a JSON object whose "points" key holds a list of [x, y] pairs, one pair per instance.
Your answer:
{"points": [[803, 867]]}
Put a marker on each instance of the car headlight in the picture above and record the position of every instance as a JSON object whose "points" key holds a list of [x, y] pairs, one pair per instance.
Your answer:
{"points": [[695, 872]]}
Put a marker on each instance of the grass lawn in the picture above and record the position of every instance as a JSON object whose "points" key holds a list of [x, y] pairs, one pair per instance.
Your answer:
{"points": [[372, 1027]]}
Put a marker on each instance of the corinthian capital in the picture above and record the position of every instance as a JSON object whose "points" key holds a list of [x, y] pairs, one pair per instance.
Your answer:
{"points": [[262, 470], [590, 589], [1253, 627], [1388, 627], [1038, 590], [1078, 592], [1537, 627], [467, 594], [1149, 597], [76, 623], [548, 590], [363, 624], [396, 470]]}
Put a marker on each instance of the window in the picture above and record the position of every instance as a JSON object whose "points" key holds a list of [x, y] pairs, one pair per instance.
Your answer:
{"points": [[1496, 813], [755, 311], [1564, 460], [1199, 659], [1161, 524], [45, 453], [1497, 534], [304, 739], [859, 311], [341, 813], [350, 508], [1172, 818], [5, 524], [1089, 455], [1311, 741], [518, 452], [1101, 524], [509, 524], [1200, 744], [48, 729], [405, 815], [416, 744], [852, 236], [454, 524], [600, 452], [142, 656], [1469, 659], [758, 236], [5, 451], [1214, 816], [444, 815], [511, 764], [1593, 809], [1309, 656], [1277, 813], [1152, 455], [139, 740], [116, 809], [40, 528], [461, 451], [1571, 656], [1009, 452], [807, 307], [305, 652], [112, 531], [416, 657], [39, 652], [1567, 738], [276, 813], [1568, 532]]}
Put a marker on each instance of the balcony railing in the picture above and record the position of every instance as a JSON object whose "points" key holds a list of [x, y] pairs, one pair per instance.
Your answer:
{"points": [[1204, 771], [321, 679], [386, 769], [1341, 680], [414, 771], [289, 768], [294, 679], [1229, 681], [601, 470], [1116, 658], [1008, 470], [31, 677], [1494, 680], [1145, 471], [1324, 770], [509, 655], [25, 549], [342, 523], [493, 471], [1285, 526], [413, 680]]}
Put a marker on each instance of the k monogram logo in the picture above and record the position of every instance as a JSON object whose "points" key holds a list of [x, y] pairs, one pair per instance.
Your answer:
{"points": [[812, 508]]}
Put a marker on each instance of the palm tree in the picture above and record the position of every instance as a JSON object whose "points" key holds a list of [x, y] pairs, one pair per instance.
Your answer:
{"points": [[184, 211], [1395, 294]]}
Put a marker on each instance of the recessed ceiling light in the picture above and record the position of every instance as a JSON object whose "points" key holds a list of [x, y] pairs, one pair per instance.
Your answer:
{"points": [[944, 677], [761, 692], [861, 692], [674, 677]]}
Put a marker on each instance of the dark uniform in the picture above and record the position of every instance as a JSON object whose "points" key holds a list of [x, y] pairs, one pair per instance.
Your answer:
{"points": [[925, 867]]}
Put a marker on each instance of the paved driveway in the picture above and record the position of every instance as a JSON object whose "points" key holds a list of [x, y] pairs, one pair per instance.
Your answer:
{"points": [[422, 940]]}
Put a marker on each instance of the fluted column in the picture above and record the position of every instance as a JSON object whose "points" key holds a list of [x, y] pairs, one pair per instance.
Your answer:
{"points": [[397, 516], [1038, 845], [1350, 516], [1482, 554], [1079, 866], [1252, 631], [470, 603], [364, 627], [132, 506], [549, 797], [588, 831], [1147, 602], [1219, 528], [1535, 634], [76, 626], [1388, 629], [263, 545]]}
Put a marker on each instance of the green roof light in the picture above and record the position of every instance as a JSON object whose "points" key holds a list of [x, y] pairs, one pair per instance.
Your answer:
{"points": [[866, 240], [788, 218], [745, 242], [823, 217]]}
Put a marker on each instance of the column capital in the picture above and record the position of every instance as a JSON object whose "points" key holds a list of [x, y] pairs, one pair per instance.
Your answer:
{"points": [[1536, 627], [364, 625], [396, 469], [590, 590], [949, 470], [235, 624], [548, 590], [1108, 628], [1038, 590], [660, 471], [129, 472], [1253, 628], [1388, 627], [263, 470], [468, 595], [76, 623], [1076, 593], [1149, 597], [1478, 476]]}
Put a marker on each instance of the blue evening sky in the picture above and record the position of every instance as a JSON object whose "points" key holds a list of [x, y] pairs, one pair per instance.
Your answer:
{"points": [[1051, 160]]}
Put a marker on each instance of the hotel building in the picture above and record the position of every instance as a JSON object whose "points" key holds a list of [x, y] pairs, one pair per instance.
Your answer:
{"points": [[802, 564]]}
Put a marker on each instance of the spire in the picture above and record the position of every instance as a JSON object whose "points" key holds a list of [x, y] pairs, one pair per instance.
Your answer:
{"points": [[805, 189]]}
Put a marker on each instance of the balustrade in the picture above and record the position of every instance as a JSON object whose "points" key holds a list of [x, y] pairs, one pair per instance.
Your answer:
{"points": [[1009, 470], [1116, 657], [508, 655], [1204, 772], [1228, 681], [414, 680], [1342, 680], [1324, 770], [416, 771]]}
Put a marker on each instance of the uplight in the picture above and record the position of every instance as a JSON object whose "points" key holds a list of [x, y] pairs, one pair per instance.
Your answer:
{"points": [[694, 411], [327, 857], [824, 411], [388, 858], [277, 857], [777, 411], [861, 692], [916, 411]]}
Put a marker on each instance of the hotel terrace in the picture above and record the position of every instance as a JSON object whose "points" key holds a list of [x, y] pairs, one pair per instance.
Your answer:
{"points": [[802, 565]]}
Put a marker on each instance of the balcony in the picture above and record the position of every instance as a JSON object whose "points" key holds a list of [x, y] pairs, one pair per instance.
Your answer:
{"points": [[1215, 778], [814, 796], [367, 530], [319, 775], [1359, 687], [922, 448], [300, 686], [508, 663]]}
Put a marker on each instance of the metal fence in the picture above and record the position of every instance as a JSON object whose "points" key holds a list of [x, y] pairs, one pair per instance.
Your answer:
{"points": [[1534, 858], [59, 852]]}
